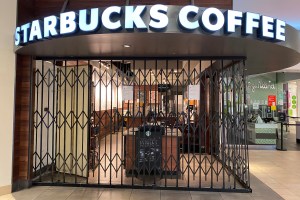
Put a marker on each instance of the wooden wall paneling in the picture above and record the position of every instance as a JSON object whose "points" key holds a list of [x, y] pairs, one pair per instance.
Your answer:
{"points": [[25, 11], [21, 171]]}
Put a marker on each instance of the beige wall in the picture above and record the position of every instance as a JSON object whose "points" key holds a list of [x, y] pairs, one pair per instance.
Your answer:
{"points": [[7, 82]]}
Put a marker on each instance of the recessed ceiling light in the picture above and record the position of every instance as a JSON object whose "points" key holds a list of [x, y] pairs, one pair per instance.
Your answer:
{"points": [[126, 45]]}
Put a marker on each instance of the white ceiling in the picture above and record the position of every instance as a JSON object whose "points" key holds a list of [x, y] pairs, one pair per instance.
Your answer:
{"points": [[287, 10]]}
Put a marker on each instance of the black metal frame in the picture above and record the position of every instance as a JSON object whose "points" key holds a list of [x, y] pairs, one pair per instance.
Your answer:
{"points": [[218, 126]]}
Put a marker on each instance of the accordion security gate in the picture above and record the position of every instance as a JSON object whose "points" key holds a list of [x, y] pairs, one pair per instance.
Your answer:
{"points": [[140, 123]]}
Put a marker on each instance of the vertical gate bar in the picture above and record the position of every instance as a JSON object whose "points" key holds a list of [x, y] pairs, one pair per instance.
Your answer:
{"points": [[99, 122], [165, 119], [57, 110], [195, 126], [122, 125], [42, 120], [53, 121], [240, 99], [36, 100], [200, 127], [217, 117], [48, 113], [65, 112], [118, 124], [83, 72], [205, 123], [141, 112], [89, 121], [189, 123], [177, 126], [152, 117], [245, 126], [184, 125], [223, 125], [160, 109], [155, 105], [110, 124], [171, 124], [105, 124], [134, 157], [238, 133], [212, 97], [234, 123], [76, 137], [59, 87], [71, 118], [144, 100], [31, 119], [228, 120]]}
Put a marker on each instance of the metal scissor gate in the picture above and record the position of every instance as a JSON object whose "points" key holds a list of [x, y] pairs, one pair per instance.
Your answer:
{"points": [[140, 123]]}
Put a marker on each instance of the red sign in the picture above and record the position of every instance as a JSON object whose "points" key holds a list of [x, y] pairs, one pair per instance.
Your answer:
{"points": [[272, 100]]}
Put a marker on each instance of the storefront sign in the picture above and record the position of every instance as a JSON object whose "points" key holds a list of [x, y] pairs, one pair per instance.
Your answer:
{"points": [[252, 86], [271, 100], [154, 18]]}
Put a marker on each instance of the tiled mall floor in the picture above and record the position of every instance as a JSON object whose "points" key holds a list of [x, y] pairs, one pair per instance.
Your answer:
{"points": [[275, 175]]}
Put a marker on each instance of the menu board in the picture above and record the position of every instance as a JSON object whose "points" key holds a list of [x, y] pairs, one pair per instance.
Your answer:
{"points": [[194, 92], [127, 93]]}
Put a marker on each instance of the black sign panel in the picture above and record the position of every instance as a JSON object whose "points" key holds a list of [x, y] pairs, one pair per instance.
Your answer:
{"points": [[164, 87], [148, 149], [281, 116]]}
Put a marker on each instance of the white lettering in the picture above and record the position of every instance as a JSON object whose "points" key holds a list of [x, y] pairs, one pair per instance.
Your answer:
{"points": [[267, 27], [50, 26], [252, 21], [24, 29], [35, 31], [189, 18], [159, 19], [133, 17], [67, 22], [280, 30], [206, 19], [94, 20], [106, 18], [17, 36], [183, 17], [234, 18]]}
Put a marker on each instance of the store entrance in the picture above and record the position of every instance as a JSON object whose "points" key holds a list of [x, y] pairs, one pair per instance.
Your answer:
{"points": [[140, 123]]}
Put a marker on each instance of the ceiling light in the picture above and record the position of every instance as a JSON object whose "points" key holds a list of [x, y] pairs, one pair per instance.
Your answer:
{"points": [[126, 45]]}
